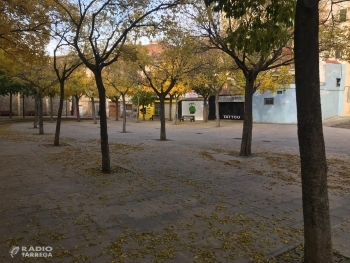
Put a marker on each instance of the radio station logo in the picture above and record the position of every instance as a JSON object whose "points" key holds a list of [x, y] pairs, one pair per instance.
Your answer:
{"points": [[31, 251]]}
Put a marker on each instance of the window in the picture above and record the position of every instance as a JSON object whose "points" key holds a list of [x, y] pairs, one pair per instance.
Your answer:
{"points": [[279, 92], [342, 15], [268, 101], [338, 82]]}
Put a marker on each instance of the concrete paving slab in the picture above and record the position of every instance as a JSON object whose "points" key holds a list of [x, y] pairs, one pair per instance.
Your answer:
{"points": [[193, 183]]}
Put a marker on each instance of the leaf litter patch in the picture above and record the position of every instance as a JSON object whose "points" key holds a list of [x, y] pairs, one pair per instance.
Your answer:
{"points": [[97, 172]]}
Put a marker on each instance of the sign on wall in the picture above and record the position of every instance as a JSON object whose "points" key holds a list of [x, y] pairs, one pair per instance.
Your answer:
{"points": [[235, 98], [191, 95], [194, 108]]}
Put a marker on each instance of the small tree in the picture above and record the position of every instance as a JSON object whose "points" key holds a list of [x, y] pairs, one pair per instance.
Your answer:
{"points": [[179, 90], [114, 96], [92, 92], [121, 77], [203, 90], [76, 87], [64, 66], [164, 70], [143, 96], [11, 86], [41, 77], [213, 75]]}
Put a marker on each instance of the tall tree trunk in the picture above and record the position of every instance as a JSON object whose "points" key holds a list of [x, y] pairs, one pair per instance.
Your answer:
{"points": [[143, 114], [93, 110], [73, 106], [138, 109], [171, 107], [205, 110], [51, 109], [41, 117], [162, 117], [246, 144], [10, 115], [77, 107], [217, 112], [176, 109], [124, 112], [116, 109], [36, 111], [106, 167], [59, 115], [23, 111], [317, 228]]}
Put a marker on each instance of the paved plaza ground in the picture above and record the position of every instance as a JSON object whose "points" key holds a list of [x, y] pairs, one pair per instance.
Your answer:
{"points": [[188, 199]]}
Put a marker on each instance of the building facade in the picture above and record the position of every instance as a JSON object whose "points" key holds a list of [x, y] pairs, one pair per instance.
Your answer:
{"points": [[281, 106]]}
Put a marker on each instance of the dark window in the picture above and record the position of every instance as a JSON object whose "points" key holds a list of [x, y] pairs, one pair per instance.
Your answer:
{"points": [[338, 82], [268, 101], [279, 92]]}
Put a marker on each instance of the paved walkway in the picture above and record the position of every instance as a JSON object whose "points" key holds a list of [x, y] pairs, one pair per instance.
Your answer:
{"points": [[339, 122], [188, 199]]}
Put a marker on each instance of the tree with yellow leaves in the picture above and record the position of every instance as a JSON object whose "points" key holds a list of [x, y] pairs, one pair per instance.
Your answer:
{"points": [[143, 96], [213, 75], [114, 96], [24, 26], [180, 89], [41, 77], [161, 72], [202, 89], [272, 80], [64, 66], [122, 76], [76, 86]]}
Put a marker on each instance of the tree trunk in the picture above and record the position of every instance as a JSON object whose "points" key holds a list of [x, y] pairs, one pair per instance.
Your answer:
{"points": [[77, 107], [36, 111], [23, 111], [317, 228], [171, 107], [93, 110], [205, 110], [10, 115], [59, 115], [176, 110], [116, 109], [217, 113], [162, 117], [51, 110], [41, 117], [106, 167], [73, 103], [124, 112], [246, 144], [138, 109], [143, 114]]}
